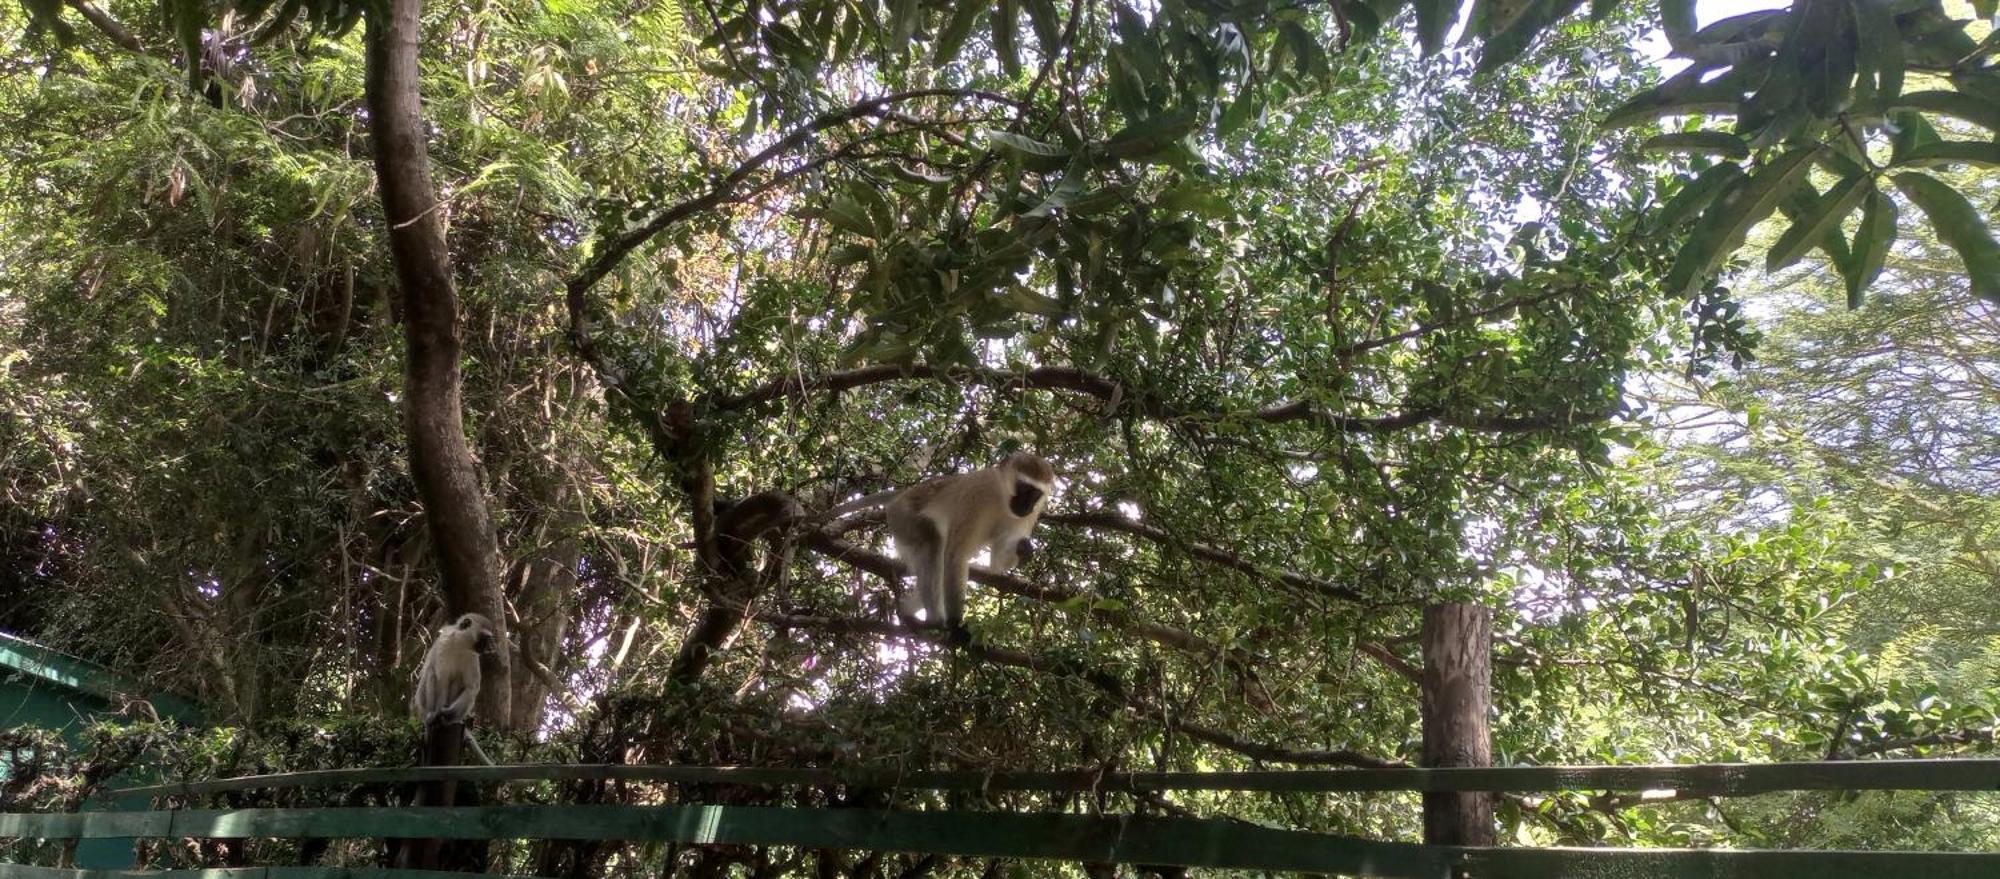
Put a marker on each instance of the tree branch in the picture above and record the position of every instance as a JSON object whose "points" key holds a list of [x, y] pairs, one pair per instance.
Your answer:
{"points": [[1065, 378], [1111, 521], [109, 26], [889, 569], [1102, 680], [620, 246]]}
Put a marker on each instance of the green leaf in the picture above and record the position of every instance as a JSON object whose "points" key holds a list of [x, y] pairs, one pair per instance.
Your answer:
{"points": [[1871, 245], [1061, 197], [1714, 143], [1006, 17], [1823, 219], [1149, 138], [849, 216], [1023, 300], [1195, 197], [1239, 112], [963, 18], [1880, 47], [1958, 224], [1724, 225], [1434, 20], [1510, 40], [1984, 154], [1048, 26], [1097, 201], [187, 18], [1970, 108], [1696, 195], [1039, 153], [1683, 95], [1912, 132]]}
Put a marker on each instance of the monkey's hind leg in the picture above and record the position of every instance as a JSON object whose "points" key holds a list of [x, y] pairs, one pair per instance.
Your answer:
{"points": [[952, 597]]}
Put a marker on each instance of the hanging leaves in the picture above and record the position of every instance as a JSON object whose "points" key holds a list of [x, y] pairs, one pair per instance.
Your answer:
{"points": [[1726, 222], [1958, 224]]}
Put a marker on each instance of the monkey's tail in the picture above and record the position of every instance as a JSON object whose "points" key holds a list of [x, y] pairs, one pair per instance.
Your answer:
{"points": [[864, 502]]}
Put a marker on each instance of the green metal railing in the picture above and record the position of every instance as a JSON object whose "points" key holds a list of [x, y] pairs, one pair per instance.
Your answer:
{"points": [[1215, 843]]}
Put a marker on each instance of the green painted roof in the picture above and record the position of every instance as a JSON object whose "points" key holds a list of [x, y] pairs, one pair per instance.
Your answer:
{"points": [[46, 664]]}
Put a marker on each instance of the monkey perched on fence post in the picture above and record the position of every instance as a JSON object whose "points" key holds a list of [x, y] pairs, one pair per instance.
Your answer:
{"points": [[447, 688]]}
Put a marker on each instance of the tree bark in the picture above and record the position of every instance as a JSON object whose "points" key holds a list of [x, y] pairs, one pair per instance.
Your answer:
{"points": [[441, 460], [1457, 699]]}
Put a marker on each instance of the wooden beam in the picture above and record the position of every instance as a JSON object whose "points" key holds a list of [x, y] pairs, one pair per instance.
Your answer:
{"points": [[1716, 779], [1457, 699]]}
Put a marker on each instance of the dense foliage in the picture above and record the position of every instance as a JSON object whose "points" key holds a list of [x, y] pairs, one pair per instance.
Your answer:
{"points": [[1318, 318]]}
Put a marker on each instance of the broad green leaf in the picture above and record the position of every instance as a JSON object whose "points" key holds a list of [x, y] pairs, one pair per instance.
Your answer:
{"points": [[1871, 245], [1194, 196], [964, 17], [1724, 225], [1714, 143], [1823, 219], [1958, 224], [848, 216], [1517, 35], [1985, 8], [1097, 201], [1880, 47], [187, 18], [1434, 20], [1985, 154], [1006, 17], [1912, 132], [1148, 138], [1239, 112], [1683, 95], [1047, 25], [1970, 108], [1061, 197], [1027, 301], [1026, 146], [1696, 195]]}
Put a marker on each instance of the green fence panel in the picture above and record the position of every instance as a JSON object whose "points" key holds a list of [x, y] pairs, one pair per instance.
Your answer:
{"points": [[1216, 843], [1585, 863], [1173, 841], [17, 871], [1720, 779]]}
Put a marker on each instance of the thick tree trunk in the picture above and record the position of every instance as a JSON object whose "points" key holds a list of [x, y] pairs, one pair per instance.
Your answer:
{"points": [[441, 460], [1457, 694]]}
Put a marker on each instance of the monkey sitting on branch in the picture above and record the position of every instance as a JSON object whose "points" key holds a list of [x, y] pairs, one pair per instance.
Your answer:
{"points": [[941, 523]]}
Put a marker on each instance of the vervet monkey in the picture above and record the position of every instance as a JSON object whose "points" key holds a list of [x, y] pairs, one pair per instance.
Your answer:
{"points": [[448, 682], [941, 523]]}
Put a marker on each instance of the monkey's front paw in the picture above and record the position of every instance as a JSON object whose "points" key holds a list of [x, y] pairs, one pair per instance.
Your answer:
{"points": [[1025, 549], [957, 636]]}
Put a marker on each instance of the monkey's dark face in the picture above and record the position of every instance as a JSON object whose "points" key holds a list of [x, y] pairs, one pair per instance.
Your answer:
{"points": [[1026, 496], [480, 631]]}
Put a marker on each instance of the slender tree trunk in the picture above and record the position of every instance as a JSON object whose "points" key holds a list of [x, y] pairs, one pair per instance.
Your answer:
{"points": [[1457, 694], [441, 460]]}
